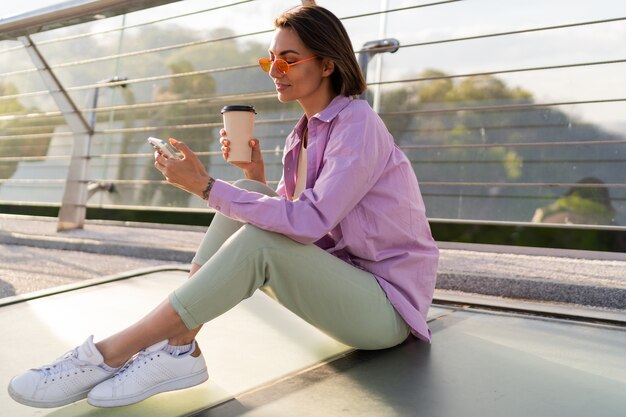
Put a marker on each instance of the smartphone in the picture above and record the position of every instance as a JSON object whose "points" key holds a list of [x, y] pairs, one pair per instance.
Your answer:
{"points": [[165, 148]]}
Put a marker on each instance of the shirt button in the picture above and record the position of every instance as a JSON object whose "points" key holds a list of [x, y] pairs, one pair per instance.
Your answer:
{"points": [[218, 207]]}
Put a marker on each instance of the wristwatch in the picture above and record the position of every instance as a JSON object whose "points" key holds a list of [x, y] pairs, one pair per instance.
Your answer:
{"points": [[207, 190]]}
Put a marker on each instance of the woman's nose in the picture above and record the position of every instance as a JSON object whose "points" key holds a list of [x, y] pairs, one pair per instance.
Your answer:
{"points": [[274, 72]]}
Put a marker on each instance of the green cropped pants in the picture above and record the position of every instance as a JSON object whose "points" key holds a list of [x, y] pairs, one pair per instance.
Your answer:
{"points": [[236, 259]]}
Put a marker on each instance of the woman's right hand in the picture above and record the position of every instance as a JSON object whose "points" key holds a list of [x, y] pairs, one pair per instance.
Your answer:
{"points": [[253, 170]]}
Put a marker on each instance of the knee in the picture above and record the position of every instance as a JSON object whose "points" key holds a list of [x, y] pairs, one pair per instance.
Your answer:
{"points": [[253, 238], [251, 233], [255, 186]]}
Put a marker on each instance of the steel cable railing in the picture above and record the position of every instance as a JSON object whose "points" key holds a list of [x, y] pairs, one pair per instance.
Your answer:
{"points": [[515, 145], [403, 147], [269, 94], [406, 147], [509, 107], [502, 107], [512, 32], [170, 18], [239, 67], [400, 9], [146, 79], [185, 101], [138, 53], [134, 81], [422, 183], [233, 37], [499, 72], [20, 132], [138, 25], [520, 184]]}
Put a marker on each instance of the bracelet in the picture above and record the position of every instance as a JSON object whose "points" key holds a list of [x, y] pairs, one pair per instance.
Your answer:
{"points": [[207, 190]]}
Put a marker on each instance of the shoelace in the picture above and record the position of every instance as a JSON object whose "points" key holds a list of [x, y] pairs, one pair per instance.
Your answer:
{"points": [[135, 363], [60, 367]]}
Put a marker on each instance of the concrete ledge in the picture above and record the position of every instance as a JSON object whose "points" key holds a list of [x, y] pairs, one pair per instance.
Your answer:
{"points": [[133, 250], [533, 307], [586, 278], [574, 277], [534, 289]]}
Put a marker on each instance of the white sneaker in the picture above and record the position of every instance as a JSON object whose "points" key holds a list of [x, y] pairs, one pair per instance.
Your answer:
{"points": [[150, 372], [68, 379]]}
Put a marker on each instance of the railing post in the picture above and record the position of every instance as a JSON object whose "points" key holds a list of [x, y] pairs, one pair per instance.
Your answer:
{"points": [[372, 48], [73, 205]]}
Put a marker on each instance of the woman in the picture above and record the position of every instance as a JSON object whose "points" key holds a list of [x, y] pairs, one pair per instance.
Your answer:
{"points": [[343, 242]]}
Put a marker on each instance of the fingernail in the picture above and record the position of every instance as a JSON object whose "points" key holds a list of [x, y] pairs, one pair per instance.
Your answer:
{"points": [[173, 141]]}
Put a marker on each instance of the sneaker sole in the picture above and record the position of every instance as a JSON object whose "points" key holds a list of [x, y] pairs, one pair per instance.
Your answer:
{"points": [[46, 404], [171, 385]]}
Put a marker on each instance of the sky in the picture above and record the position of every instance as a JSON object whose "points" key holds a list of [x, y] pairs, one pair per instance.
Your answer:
{"points": [[12, 8]]}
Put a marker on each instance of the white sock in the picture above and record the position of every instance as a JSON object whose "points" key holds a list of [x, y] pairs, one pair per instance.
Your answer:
{"points": [[108, 368], [177, 350]]}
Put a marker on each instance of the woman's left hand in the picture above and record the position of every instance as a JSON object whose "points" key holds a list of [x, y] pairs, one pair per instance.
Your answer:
{"points": [[187, 173]]}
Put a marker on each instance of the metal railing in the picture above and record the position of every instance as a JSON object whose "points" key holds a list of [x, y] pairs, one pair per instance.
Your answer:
{"points": [[457, 146]]}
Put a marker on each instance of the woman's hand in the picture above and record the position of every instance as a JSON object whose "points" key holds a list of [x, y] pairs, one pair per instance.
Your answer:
{"points": [[253, 170], [187, 173]]}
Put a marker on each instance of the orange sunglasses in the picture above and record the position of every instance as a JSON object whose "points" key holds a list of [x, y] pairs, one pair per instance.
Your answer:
{"points": [[281, 65]]}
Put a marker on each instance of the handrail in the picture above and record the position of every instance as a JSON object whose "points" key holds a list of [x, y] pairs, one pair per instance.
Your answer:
{"points": [[120, 28], [69, 13]]}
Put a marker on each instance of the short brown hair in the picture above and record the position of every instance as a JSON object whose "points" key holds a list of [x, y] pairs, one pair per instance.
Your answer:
{"points": [[324, 34]]}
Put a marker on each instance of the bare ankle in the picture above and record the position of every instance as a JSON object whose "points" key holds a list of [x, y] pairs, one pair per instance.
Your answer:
{"points": [[181, 341], [110, 359], [196, 351], [114, 364]]}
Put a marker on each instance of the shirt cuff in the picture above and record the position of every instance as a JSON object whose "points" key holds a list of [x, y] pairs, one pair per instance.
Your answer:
{"points": [[221, 195]]}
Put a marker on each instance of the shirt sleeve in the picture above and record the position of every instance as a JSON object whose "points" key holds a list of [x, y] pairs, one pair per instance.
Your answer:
{"points": [[280, 189], [354, 158]]}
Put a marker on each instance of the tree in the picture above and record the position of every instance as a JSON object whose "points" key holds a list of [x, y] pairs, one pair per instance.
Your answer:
{"points": [[23, 145], [477, 111]]}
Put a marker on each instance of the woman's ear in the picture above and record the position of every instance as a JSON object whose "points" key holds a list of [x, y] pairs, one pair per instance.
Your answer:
{"points": [[328, 67]]}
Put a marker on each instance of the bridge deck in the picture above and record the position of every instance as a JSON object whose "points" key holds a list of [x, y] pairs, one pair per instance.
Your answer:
{"points": [[264, 361]]}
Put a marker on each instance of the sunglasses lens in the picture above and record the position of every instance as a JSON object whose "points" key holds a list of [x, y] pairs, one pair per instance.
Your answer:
{"points": [[281, 66], [265, 64]]}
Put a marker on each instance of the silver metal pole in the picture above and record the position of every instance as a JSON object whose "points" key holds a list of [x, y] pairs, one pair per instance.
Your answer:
{"points": [[74, 202], [72, 212], [372, 48], [378, 71]]}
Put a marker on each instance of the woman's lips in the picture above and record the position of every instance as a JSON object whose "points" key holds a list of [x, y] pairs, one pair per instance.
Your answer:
{"points": [[281, 87]]}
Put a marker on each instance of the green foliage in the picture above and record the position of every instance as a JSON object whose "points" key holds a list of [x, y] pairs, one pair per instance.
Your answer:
{"points": [[466, 119], [485, 89], [24, 145], [580, 205], [10, 105], [512, 164], [584, 207], [436, 89]]}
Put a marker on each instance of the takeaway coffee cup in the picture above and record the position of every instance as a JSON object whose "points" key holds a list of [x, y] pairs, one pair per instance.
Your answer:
{"points": [[239, 126]]}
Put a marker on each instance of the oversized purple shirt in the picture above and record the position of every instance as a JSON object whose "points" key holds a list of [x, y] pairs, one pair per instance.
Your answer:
{"points": [[361, 203]]}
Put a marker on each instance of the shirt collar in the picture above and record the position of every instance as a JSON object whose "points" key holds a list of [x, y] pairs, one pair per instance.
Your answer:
{"points": [[300, 126], [333, 109], [327, 115]]}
